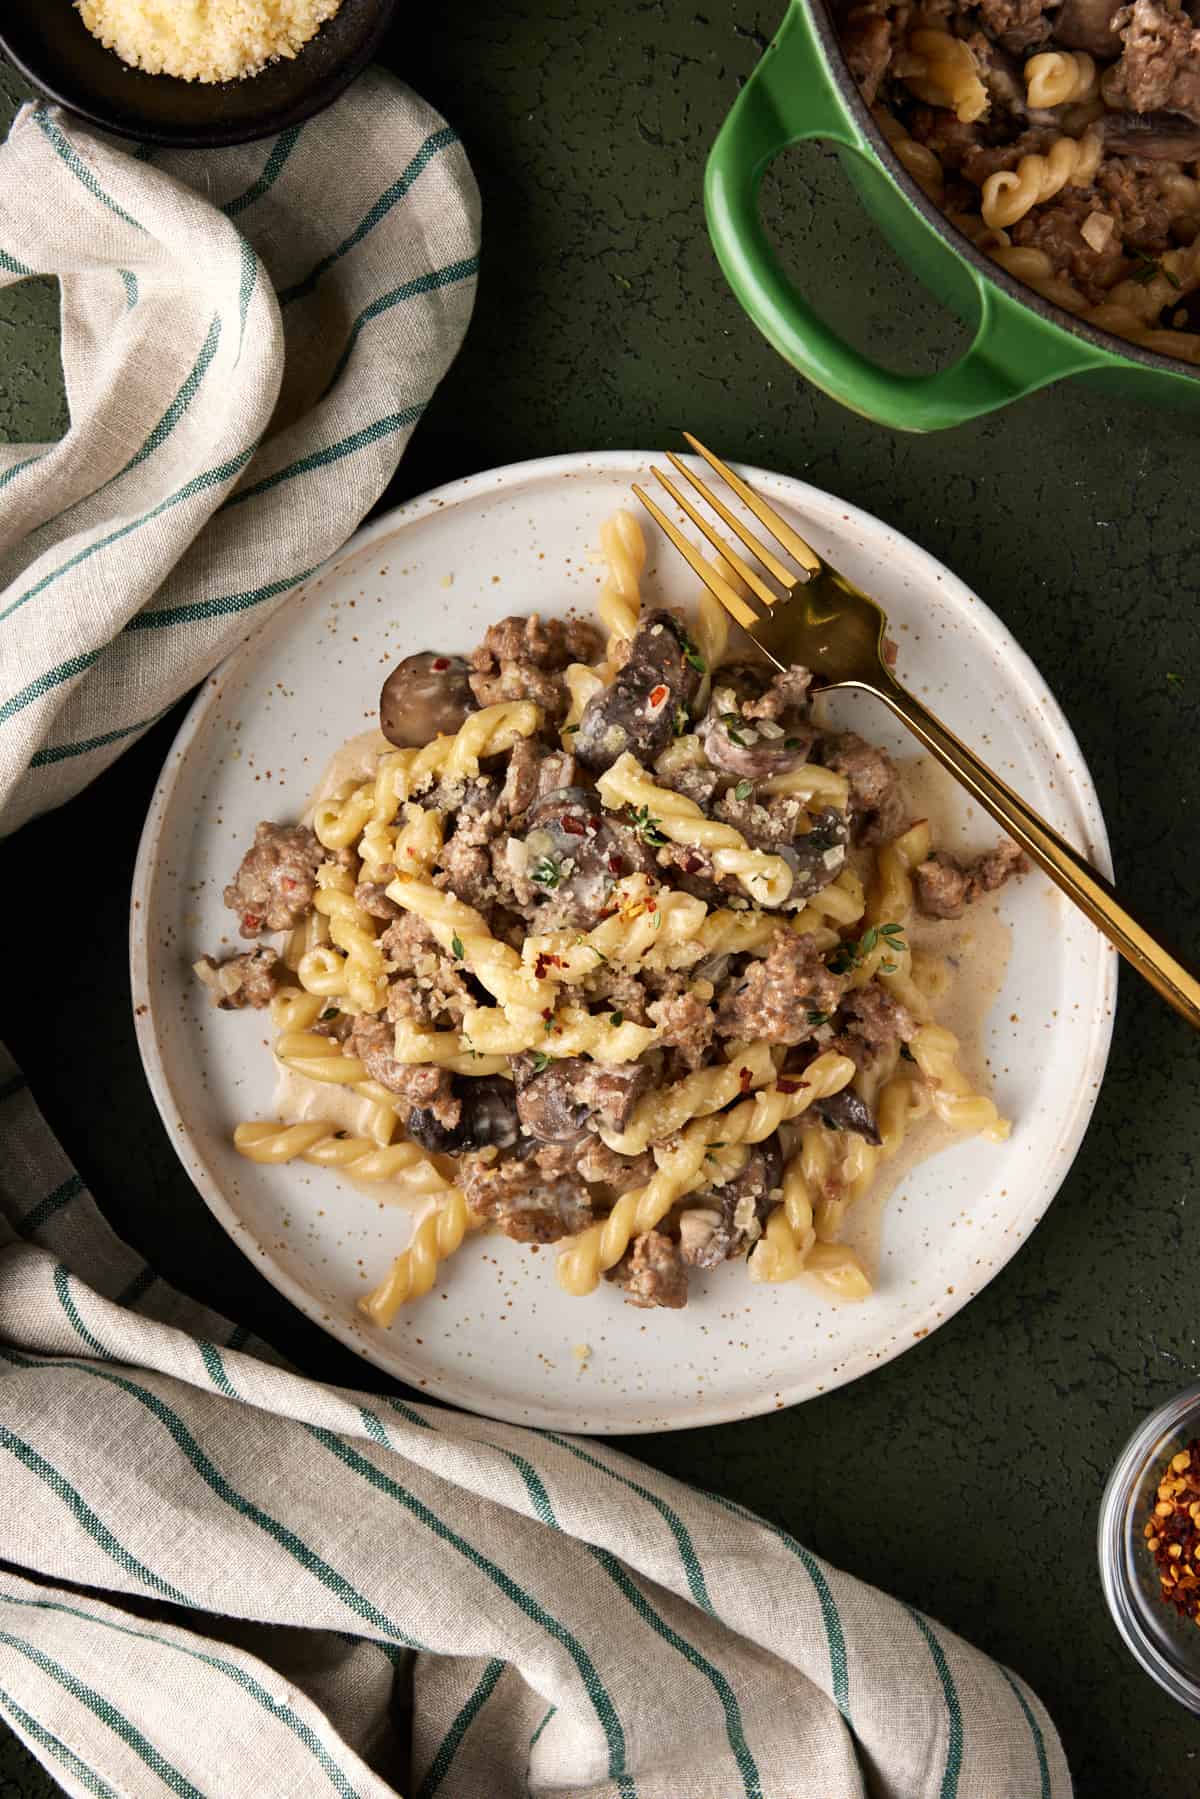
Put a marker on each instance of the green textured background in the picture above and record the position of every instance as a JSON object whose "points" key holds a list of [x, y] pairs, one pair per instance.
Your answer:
{"points": [[965, 1477]]}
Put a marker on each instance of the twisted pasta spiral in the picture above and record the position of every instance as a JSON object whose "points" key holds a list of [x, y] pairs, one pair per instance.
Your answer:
{"points": [[583, 684], [666, 1111], [412, 1274], [682, 1167], [1009, 194], [488, 732], [645, 919], [293, 1010], [623, 547], [326, 1146], [955, 1101], [416, 1044], [810, 783], [320, 1059], [941, 70], [339, 821], [780, 1253], [464, 932], [1055, 77], [571, 1031], [353, 931], [766, 878], [917, 159]]}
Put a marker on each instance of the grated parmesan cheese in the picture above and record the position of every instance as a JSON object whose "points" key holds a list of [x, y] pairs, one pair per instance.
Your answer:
{"points": [[204, 40]]}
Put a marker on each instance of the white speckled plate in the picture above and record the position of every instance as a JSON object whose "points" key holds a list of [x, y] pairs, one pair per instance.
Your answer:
{"points": [[497, 1335]]}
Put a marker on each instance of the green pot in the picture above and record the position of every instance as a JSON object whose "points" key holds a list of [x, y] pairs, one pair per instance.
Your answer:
{"points": [[802, 89]]}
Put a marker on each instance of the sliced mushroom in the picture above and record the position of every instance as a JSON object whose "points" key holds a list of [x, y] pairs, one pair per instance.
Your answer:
{"points": [[848, 1111], [548, 1104], [577, 852], [488, 1117], [640, 711], [1158, 136], [753, 748], [557, 1099], [723, 1221], [425, 696], [819, 856], [1088, 25]]}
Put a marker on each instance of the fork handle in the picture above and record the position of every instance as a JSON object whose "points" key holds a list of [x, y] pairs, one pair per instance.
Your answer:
{"points": [[1076, 877]]}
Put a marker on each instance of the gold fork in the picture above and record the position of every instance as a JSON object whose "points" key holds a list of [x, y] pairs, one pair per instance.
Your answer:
{"points": [[826, 623]]}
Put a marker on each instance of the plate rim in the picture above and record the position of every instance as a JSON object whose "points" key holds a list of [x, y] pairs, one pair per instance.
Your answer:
{"points": [[455, 1389]]}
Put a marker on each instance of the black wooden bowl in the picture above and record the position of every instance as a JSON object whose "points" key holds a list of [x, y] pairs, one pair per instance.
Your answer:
{"points": [[48, 41]]}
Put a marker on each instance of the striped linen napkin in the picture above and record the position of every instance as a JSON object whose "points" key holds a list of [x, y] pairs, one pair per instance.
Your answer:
{"points": [[223, 1581], [248, 339]]}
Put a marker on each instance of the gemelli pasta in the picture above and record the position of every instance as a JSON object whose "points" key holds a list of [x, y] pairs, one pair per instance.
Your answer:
{"points": [[1061, 137], [608, 946]]}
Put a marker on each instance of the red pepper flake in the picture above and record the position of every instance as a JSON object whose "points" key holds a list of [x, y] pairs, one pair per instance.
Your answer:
{"points": [[440, 664], [693, 865], [744, 1079], [616, 865], [251, 921], [785, 1085], [658, 695], [544, 961], [1172, 1532], [574, 826]]}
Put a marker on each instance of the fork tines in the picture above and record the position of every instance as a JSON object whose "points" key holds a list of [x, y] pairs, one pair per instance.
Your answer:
{"points": [[738, 607]]}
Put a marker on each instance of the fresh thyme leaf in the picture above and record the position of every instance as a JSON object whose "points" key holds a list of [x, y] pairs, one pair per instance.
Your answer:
{"points": [[546, 872], [570, 730], [818, 1018], [548, 1026], [888, 967], [1145, 274], [791, 743], [329, 1012], [692, 655], [541, 1061], [456, 946], [850, 954], [1173, 279], [732, 722], [682, 721], [907, 1053], [582, 943], [647, 828], [616, 1018], [743, 790]]}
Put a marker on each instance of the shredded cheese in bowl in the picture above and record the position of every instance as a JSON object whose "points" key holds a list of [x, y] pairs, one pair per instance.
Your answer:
{"points": [[204, 40]]}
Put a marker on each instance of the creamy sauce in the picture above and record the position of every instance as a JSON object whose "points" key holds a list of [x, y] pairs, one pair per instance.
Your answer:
{"points": [[355, 761], [297, 1100], [976, 949]]}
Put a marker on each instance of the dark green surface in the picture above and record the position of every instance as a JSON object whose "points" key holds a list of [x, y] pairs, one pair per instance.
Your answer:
{"points": [[964, 1477]]}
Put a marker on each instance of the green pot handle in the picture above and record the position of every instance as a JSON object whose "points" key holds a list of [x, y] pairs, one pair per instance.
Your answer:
{"points": [[1014, 351]]}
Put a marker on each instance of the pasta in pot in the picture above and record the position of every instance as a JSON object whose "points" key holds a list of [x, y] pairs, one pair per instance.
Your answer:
{"points": [[659, 1012], [1063, 142]]}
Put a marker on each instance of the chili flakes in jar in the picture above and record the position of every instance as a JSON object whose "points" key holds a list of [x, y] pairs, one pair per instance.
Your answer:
{"points": [[1172, 1532]]}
